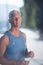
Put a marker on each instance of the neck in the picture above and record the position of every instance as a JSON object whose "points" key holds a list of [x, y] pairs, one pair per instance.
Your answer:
{"points": [[14, 29]]}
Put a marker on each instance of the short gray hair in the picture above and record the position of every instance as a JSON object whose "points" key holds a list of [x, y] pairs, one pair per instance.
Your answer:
{"points": [[11, 14]]}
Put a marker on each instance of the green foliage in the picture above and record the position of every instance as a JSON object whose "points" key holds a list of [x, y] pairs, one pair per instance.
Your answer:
{"points": [[39, 15], [29, 13], [32, 14], [23, 15]]}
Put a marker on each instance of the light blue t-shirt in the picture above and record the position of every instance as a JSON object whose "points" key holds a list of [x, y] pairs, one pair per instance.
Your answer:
{"points": [[16, 48]]}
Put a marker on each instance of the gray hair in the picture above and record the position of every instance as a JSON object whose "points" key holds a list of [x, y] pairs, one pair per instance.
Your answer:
{"points": [[11, 14]]}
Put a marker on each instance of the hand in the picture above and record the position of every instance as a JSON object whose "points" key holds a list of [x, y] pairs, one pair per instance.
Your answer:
{"points": [[24, 63], [31, 54]]}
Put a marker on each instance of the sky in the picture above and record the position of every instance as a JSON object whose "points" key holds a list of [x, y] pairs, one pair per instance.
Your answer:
{"points": [[18, 3], [7, 5]]}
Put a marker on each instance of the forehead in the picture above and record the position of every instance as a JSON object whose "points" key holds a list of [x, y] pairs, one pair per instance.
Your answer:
{"points": [[16, 14]]}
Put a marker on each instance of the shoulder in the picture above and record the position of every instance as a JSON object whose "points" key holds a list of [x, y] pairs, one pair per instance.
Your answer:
{"points": [[3, 44], [4, 39], [24, 35]]}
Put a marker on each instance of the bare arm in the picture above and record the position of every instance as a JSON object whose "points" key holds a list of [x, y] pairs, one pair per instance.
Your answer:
{"points": [[30, 53], [4, 41]]}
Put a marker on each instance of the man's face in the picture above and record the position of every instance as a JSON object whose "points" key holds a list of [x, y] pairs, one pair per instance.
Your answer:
{"points": [[16, 20]]}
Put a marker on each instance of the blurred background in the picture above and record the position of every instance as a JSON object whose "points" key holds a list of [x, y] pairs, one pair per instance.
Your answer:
{"points": [[31, 12], [32, 23]]}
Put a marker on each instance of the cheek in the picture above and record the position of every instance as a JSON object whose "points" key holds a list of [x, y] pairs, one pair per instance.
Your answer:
{"points": [[19, 23]]}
